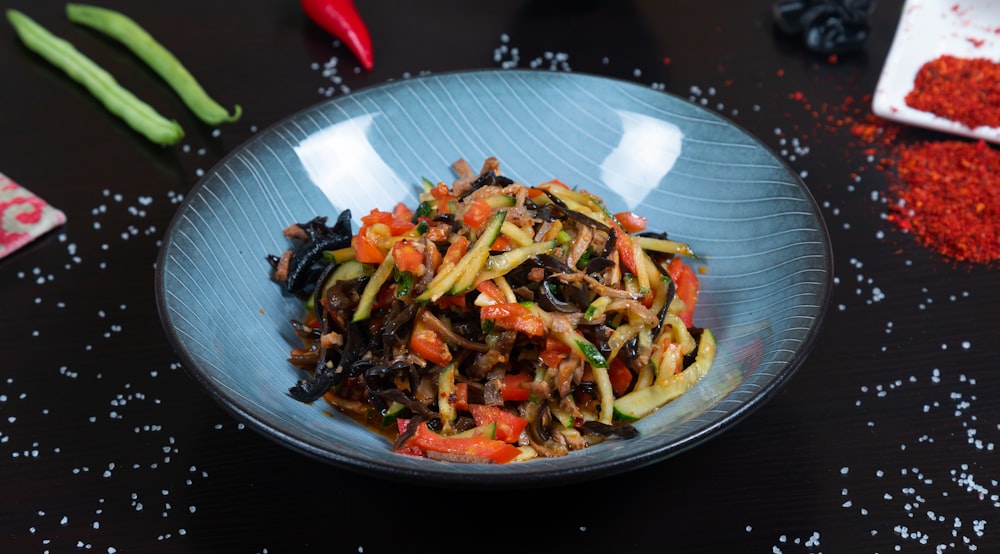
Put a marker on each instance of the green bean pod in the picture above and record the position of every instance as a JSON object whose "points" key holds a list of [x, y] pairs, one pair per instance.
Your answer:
{"points": [[125, 30], [118, 100]]}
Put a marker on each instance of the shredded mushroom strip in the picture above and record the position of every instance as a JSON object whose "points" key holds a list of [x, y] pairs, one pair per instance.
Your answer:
{"points": [[494, 322]]}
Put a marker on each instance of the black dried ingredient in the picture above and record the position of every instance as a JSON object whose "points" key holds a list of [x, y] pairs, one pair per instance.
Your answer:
{"points": [[826, 26]]}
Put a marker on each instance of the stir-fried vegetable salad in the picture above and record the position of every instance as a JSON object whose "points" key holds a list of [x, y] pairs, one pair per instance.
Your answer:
{"points": [[495, 321]]}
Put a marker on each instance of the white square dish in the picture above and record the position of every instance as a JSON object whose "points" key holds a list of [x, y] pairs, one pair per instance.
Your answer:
{"points": [[927, 30]]}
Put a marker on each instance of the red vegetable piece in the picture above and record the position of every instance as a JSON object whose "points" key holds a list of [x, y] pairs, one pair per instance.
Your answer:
{"points": [[456, 250], [512, 389], [513, 316], [509, 426], [477, 213], [407, 256], [462, 397], [428, 345], [341, 19], [686, 283], [631, 221], [555, 352], [365, 249], [491, 290], [476, 447], [402, 211], [442, 194], [620, 375], [623, 242]]}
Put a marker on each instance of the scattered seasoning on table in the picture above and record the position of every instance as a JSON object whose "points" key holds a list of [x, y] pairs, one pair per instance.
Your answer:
{"points": [[948, 195], [945, 193], [966, 90], [878, 137]]}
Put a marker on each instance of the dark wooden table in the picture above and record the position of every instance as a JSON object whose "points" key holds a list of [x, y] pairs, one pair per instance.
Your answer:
{"points": [[884, 441]]}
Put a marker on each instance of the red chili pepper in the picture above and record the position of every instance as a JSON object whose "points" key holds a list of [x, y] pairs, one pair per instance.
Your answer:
{"points": [[341, 19]]}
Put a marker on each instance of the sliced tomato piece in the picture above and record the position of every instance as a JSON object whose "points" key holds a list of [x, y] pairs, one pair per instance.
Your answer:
{"points": [[402, 424], [477, 447], [631, 221], [402, 211], [501, 244], [623, 244], [492, 291], [555, 352], [400, 226], [512, 389], [686, 286], [376, 216], [477, 213], [407, 256], [620, 376], [371, 244], [509, 426], [456, 250], [442, 194], [504, 310], [365, 249], [436, 257], [462, 396], [428, 345], [398, 221], [511, 315], [532, 325]]}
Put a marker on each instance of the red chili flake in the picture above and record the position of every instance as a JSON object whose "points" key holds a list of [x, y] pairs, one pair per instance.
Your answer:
{"points": [[966, 90], [947, 193], [977, 42], [666, 60], [873, 130]]}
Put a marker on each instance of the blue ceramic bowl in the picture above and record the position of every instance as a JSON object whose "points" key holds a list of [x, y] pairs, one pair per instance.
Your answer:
{"points": [[694, 174]]}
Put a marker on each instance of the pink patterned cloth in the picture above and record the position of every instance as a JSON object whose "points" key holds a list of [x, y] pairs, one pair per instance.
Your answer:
{"points": [[23, 216]]}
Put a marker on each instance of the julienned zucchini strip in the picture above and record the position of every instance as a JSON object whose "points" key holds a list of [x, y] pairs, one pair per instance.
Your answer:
{"points": [[117, 99], [123, 29], [642, 402]]}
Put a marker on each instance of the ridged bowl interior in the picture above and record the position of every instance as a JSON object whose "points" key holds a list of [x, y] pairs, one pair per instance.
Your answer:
{"points": [[704, 180]]}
